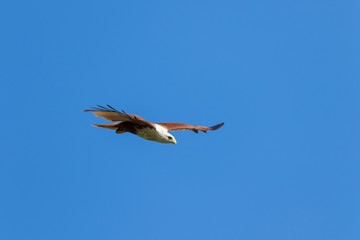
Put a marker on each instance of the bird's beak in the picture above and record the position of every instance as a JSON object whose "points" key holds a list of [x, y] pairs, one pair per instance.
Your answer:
{"points": [[174, 141]]}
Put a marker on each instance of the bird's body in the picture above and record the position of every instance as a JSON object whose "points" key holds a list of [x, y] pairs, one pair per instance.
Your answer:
{"points": [[157, 132]]}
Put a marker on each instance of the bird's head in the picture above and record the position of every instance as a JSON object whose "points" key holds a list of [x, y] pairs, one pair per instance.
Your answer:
{"points": [[165, 136], [171, 138]]}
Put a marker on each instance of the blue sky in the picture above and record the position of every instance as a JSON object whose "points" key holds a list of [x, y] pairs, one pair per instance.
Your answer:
{"points": [[282, 75]]}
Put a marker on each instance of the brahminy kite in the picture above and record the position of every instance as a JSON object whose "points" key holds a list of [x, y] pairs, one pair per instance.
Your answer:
{"points": [[134, 124]]}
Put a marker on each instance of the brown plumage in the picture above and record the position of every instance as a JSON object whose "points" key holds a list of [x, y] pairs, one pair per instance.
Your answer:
{"points": [[137, 125], [183, 126]]}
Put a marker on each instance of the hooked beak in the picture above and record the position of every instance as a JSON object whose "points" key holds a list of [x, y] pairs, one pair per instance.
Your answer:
{"points": [[174, 141]]}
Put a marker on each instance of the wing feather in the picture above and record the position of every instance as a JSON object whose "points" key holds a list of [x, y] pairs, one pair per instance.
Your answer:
{"points": [[110, 113], [183, 126]]}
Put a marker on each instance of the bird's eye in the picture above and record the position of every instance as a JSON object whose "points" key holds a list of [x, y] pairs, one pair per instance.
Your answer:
{"points": [[170, 138]]}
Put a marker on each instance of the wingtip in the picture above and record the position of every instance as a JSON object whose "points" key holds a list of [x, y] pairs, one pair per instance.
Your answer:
{"points": [[112, 108], [217, 126]]}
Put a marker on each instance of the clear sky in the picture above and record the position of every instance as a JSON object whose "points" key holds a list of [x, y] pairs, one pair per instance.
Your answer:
{"points": [[282, 75]]}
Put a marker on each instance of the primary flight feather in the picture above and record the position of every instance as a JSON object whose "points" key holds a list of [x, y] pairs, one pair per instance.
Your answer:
{"points": [[134, 124]]}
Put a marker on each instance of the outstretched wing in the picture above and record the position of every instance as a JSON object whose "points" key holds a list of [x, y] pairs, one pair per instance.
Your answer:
{"points": [[112, 114], [183, 126]]}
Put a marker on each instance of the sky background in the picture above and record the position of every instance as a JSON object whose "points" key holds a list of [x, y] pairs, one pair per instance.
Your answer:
{"points": [[282, 75]]}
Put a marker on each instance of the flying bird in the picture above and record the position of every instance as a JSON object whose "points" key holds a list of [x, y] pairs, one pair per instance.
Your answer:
{"points": [[134, 124]]}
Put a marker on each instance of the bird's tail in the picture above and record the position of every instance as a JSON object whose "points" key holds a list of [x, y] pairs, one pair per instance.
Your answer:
{"points": [[112, 126]]}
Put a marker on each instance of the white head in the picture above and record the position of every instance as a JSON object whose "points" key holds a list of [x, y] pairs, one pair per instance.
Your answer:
{"points": [[165, 136], [171, 138]]}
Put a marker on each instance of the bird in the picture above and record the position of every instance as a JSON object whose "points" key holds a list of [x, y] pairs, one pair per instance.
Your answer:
{"points": [[158, 132]]}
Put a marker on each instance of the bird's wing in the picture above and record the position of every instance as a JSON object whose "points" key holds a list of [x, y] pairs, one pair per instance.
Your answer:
{"points": [[112, 114], [183, 126]]}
